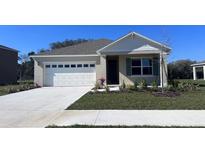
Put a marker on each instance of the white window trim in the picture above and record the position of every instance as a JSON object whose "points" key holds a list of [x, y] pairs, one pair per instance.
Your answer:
{"points": [[142, 75]]}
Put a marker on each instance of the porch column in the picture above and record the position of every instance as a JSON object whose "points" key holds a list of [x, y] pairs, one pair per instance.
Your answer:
{"points": [[204, 71], [160, 63], [194, 72]]}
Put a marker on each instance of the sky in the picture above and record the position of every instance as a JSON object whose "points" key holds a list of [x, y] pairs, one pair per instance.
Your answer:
{"points": [[187, 42]]}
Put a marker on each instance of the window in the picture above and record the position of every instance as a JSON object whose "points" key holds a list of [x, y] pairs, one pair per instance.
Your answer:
{"points": [[147, 66], [54, 66], [136, 62], [48, 66], [92, 65], [73, 65], [136, 66], [85, 65], [136, 71], [142, 66], [60, 66], [67, 66], [79, 65]]}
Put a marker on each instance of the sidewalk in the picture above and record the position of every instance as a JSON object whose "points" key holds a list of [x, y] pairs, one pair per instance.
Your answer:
{"points": [[132, 117]]}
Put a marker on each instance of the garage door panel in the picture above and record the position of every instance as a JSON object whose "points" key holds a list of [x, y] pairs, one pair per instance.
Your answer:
{"points": [[69, 76]]}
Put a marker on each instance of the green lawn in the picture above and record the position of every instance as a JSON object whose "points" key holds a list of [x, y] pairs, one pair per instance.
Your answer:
{"points": [[193, 100]]}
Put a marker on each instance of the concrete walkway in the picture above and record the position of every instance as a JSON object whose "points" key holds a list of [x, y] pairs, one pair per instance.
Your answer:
{"points": [[132, 117], [37, 107]]}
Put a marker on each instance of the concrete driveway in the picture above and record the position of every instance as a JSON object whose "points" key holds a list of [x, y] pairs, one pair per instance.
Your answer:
{"points": [[37, 107]]}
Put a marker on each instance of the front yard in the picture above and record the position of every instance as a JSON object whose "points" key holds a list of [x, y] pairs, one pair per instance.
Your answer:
{"points": [[135, 100]]}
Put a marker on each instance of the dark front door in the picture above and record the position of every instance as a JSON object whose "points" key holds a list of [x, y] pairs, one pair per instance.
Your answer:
{"points": [[112, 70]]}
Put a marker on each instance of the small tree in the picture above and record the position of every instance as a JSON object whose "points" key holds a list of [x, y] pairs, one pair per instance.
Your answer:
{"points": [[23, 58]]}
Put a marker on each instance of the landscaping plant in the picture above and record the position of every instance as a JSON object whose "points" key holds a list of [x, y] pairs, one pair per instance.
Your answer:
{"points": [[187, 86], [17, 88], [102, 82], [154, 85], [97, 86], [123, 86], [107, 89], [142, 85], [170, 87], [136, 85]]}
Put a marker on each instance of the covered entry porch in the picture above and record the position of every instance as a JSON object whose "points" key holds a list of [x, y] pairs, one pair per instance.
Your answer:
{"points": [[128, 68], [198, 71]]}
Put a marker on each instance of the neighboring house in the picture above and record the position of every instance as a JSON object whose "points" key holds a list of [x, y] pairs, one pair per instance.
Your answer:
{"points": [[130, 58], [8, 65], [198, 71]]}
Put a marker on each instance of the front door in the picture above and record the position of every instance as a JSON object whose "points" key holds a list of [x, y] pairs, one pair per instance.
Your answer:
{"points": [[112, 70]]}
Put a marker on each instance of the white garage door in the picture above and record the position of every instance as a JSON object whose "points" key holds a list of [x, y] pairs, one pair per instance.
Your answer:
{"points": [[69, 74]]}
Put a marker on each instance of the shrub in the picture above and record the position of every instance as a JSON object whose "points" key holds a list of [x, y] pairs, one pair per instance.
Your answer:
{"points": [[174, 83], [18, 88], [11, 90], [26, 82], [123, 86], [154, 85], [97, 86], [107, 89], [187, 86], [170, 87], [143, 84], [136, 85], [130, 87], [182, 86], [102, 82]]}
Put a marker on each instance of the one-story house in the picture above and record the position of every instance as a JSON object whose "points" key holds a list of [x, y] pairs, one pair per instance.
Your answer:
{"points": [[125, 60], [199, 71], [8, 65]]}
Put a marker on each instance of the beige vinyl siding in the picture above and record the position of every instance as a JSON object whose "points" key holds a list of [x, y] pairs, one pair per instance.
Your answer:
{"points": [[38, 73], [101, 68]]}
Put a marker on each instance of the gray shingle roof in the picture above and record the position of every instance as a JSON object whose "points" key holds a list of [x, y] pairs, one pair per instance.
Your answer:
{"points": [[85, 48]]}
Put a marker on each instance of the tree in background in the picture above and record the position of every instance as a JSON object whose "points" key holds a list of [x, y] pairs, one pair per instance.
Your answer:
{"points": [[43, 50], [180, 69], [26, 67]]}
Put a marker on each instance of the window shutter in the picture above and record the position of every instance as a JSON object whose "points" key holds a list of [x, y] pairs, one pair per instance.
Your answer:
{"points": [[156, 66], [128, 66]]}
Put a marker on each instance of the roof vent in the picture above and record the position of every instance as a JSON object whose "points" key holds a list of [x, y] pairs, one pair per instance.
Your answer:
{"points": [[132, 35]]}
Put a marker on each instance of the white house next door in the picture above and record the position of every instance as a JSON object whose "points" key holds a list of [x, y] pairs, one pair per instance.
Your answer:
{"points": [[69, 74]]}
